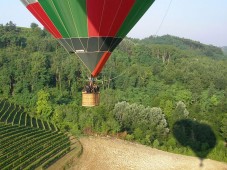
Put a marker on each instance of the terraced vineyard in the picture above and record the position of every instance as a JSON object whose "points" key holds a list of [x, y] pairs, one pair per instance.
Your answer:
{"points": [[26, 142], [15, 115]]}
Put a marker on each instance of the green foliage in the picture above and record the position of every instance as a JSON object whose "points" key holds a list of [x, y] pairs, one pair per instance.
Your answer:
{"points": [[138, 134], [44, 108], [167, 106], [141, 121], [171, 143], [130, 137], [156, 143], [186, 44], [223, 127], [163, 78], [224, 49], [180, 111]]}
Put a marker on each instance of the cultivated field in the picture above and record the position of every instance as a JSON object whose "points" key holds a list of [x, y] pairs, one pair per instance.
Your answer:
{"points": [[15, 115], [27, 142]]}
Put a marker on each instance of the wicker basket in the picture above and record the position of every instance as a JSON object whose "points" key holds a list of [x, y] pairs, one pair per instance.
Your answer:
{"points": [[90, 99]]}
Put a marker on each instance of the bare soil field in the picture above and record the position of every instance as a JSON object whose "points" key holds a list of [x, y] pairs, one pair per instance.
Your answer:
{"points": [[101, 153]]}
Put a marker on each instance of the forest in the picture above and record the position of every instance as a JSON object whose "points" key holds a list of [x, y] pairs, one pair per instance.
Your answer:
{"points": [[152, 90]]}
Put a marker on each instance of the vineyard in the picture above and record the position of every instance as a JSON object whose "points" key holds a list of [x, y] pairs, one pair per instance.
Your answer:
{"points": [[27, 142], [15, 115]]}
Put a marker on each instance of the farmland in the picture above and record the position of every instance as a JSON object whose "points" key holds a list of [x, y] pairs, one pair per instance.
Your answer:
{"points": [[27, 142]]}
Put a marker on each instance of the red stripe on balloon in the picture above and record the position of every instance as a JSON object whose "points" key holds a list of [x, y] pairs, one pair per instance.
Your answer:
{"points": [[105, 17], [37, 10], [100, 64], [123, 12], [94, 13]]}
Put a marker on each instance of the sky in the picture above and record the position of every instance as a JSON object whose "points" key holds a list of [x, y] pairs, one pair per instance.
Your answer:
{"points": [[200, 20]]}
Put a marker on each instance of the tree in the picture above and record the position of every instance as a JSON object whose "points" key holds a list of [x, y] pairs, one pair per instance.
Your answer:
{"points": [[156, 143], [39, 71], [181, 111], [167, 106], [59, 116], [119, 111], [136, 119], [34, 25], [10, 26], [138, 134], [43, 105], [224, 127]]}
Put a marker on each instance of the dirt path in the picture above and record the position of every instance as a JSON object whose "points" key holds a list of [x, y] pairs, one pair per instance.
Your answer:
{"points": [[114, 154]]}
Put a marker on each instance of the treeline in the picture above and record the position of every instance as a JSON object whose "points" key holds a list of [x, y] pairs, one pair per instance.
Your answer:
{"points": [[224, 49], [146, 87]]}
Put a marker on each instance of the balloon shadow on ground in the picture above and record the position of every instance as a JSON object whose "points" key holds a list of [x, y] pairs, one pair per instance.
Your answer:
{"points": [[198, 136]]}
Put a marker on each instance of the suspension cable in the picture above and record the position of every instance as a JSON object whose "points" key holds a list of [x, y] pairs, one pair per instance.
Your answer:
{"points": [[163, 19]]}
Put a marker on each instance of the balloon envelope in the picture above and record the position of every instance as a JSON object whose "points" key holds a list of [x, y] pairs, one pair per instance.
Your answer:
{"points": [[90, 28]]}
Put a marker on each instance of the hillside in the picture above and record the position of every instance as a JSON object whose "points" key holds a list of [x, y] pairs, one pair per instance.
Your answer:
{"points": [[26, 142], [114, 154], [16, 115], [28, 148], [151, 90], [224, 49], [184, 44]]}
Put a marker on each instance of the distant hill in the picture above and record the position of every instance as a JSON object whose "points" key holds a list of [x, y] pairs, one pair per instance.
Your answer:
{"points": [[224, 49], [183, 44]]}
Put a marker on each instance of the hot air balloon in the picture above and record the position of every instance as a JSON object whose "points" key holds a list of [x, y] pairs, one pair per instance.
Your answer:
{"points": [[91, 29]]}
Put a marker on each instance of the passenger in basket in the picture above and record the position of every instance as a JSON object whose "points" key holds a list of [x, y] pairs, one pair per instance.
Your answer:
{"points": [[96, 88]]}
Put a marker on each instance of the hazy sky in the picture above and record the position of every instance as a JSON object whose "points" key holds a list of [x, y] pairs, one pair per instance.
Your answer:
{"points": [[199, 20]]}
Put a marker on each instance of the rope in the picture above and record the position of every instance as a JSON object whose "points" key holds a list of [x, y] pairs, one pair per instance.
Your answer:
{"points": [[116, 76], [163, 19]]}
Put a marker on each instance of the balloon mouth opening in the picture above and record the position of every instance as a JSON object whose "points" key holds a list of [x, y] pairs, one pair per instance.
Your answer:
{"points": [[80, 51]]}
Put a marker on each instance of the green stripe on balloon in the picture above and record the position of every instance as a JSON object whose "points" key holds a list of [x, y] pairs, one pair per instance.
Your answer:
{"points": [[65, 17], [138, 10], [69, 17], [70, 12], [53, 15], [79, 15]]}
